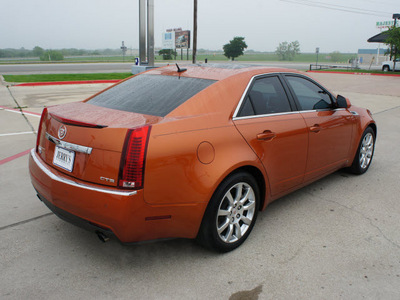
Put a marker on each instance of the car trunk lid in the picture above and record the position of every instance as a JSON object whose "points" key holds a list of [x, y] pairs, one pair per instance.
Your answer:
{"points": [[86, 141]]}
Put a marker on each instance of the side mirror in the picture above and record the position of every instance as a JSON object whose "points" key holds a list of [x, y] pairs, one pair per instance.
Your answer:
{"points": [[341, 102]]}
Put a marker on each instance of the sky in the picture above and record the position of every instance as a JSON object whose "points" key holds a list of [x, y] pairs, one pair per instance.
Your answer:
{"points": [[331, 25]]}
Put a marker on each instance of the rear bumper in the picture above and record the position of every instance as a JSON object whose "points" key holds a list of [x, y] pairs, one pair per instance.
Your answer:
{"points": [[124, 214], [66, 216]]}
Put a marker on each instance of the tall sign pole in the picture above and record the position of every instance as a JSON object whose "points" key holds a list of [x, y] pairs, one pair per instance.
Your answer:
{"points": [[150, 32], [142, 31], [194, 31], [395, 17], [146, 32]]}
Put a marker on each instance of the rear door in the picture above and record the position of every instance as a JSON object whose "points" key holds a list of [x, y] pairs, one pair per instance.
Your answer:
{"points": [[330, 130], [275, 132]]}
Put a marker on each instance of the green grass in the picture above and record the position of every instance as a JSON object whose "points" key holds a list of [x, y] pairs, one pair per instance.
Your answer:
{"points": [[65, 77]]}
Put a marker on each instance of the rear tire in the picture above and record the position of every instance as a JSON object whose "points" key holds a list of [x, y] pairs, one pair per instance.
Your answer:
{"points": [[231, 213], [365, 152], [385, 68]]}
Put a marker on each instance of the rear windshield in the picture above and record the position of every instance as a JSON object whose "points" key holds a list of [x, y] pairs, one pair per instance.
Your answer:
{"points": [[155, 95]]}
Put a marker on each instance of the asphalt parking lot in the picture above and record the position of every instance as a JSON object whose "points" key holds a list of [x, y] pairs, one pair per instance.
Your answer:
{"points": [[337, 238]]}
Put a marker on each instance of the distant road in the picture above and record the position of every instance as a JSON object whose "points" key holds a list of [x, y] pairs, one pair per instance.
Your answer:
{"points": [[67, 68]]}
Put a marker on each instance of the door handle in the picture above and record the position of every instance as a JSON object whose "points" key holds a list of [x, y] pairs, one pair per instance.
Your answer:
{"points": [[316, 128], [266, 135]]}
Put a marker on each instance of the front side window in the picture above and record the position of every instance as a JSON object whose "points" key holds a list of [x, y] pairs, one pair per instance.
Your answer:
{"points": [[309, 95], [266, 96]]}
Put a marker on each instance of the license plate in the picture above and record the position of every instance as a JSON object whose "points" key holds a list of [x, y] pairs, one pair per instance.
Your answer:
{"points": [[64, 158]]}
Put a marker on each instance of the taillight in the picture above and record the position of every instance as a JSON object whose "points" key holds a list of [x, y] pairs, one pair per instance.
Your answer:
{"points": [[131, 172], [42, 117]]}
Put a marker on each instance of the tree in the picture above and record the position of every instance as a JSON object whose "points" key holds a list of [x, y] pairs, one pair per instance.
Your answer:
{"points": [[393, 41], [336, 56], [235, 47], [167, 53], [52, 55], [37, 51], [287, 51]]}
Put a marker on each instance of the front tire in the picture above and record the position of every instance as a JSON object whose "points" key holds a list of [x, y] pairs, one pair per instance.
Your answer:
{"points": [[231, 213], [365, 152]]}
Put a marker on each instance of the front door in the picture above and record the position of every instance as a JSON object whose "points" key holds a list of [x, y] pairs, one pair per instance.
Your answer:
{"points": [[330, 130]]}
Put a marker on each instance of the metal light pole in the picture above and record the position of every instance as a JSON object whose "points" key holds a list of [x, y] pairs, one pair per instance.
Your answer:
{"points": [[194, 31]]}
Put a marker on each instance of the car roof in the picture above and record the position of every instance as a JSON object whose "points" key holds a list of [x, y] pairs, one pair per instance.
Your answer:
{"points": [[217, 71]]}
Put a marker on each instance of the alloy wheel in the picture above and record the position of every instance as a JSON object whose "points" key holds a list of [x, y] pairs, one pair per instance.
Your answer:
{"points": [[236, 212]]}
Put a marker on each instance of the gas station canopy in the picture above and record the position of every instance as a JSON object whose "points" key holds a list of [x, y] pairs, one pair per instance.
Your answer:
{"points": [[379, 38]]}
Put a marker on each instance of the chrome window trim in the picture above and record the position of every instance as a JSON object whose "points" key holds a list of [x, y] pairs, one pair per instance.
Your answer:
{"points": [[243, 95], [324, 109], [265, 116], [235, 117], [75, 184], [69, 146]]}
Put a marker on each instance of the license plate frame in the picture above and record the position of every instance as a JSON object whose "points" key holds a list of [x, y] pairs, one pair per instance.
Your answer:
{"points": [[64, 158]]}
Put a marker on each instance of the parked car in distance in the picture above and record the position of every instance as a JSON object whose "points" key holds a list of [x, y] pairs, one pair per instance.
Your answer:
{"points": [[389, 65], [194, 153]]}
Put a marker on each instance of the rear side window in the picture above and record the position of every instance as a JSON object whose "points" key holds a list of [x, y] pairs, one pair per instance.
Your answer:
{"points": [[155, 95], [266, 96]]}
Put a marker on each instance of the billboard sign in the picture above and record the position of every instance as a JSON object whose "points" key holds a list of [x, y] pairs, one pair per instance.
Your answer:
{"points": [[176, 39], [168, 40], [182, 39]]}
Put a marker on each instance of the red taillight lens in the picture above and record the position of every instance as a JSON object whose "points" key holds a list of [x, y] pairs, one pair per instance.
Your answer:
{"points": [[131, 173], [42, 117]]}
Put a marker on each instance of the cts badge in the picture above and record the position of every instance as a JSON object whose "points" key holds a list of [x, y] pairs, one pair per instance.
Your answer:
{"points": [[107, 179], [62, 132]]}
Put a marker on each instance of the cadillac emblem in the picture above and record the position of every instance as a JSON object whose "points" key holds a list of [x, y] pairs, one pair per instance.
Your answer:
{"points": [[62, 132]]}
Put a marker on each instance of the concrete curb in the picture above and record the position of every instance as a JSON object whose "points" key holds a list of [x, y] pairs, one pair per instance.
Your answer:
{"points": [[2, 81], [67, 82]]}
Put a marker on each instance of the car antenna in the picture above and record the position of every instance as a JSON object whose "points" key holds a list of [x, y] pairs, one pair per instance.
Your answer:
{"points": [[179, 69]]}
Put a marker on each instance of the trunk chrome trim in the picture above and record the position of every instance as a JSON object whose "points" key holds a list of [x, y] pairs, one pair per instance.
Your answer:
{"points": [[75, 184], [69, 146]]}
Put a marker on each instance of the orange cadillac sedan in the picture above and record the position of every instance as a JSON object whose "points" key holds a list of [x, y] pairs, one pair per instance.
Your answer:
{"points": [[194, 153]]}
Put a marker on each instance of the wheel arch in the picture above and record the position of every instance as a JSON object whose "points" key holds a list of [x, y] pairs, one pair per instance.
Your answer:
{"points": [[258, 176], [374, 128]]}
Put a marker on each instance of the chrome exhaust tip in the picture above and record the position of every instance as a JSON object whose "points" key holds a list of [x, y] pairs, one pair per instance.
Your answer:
{"points": [[102, 237]]}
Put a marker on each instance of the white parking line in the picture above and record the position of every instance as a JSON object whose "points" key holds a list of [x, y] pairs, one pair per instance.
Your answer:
{"points": [[17, 133], [18, 112]]}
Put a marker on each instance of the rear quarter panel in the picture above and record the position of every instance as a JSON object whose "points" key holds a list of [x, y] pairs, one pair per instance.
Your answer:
{"points": [[180, 169]]}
